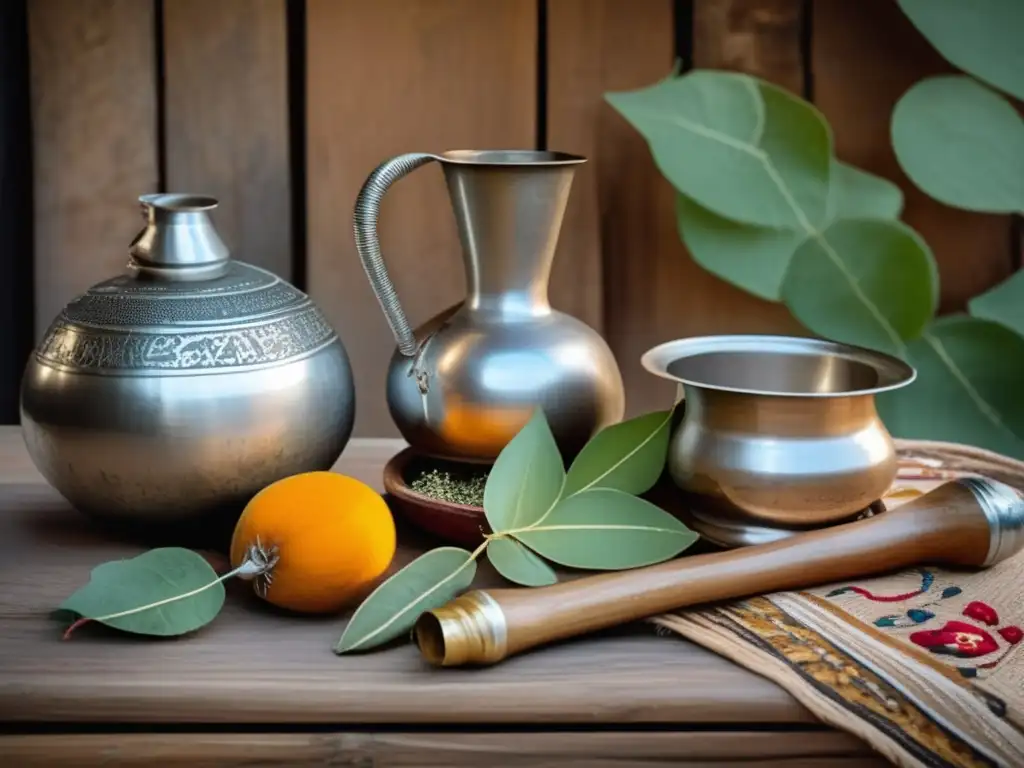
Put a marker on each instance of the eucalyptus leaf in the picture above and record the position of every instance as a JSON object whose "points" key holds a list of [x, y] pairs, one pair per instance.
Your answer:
{"points": [[391, 610], [968, 388], [750, 257], [526, 478], [961, 143], [606, 529], [855, 193], [756, 259], [518, 564], [738, 146], [628, 456], [870, 282], [187, 590], [1002, 304], [981, 37]]}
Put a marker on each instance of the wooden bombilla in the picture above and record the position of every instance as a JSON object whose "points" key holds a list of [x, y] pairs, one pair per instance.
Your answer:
{"points": [[973, 522]]}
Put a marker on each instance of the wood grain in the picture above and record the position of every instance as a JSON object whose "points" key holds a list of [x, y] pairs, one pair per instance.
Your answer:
{"points": [[94, 140], [623, 749], [226, 120], [653, 290], [865, 56], [257, 665], [760, 37], [396, 76]]}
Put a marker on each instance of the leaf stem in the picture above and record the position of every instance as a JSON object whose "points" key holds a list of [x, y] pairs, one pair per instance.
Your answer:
{"points": [[247, 568]]}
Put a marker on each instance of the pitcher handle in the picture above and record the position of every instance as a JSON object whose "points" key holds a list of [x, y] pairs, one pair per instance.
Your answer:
{"points": [[367, 210]]}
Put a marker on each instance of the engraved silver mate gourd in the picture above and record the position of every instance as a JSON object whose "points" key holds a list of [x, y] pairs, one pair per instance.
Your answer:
{"points": [[186, 385], [462, 385]]}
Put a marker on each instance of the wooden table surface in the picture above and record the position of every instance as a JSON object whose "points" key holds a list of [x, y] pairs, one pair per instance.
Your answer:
{"points": [[257, 687]]}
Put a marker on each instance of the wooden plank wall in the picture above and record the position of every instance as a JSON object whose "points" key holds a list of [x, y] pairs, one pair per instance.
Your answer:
{"points": [[282, 107]]}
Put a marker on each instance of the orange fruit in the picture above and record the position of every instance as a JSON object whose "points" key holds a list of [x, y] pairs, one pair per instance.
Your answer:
{"points": [[329, 537]]}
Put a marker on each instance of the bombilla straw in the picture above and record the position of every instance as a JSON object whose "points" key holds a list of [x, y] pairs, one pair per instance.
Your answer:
{"points": [[973, 522]]}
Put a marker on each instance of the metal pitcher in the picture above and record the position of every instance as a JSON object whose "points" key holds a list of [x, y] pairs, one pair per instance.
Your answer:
{"points": [[462, 385]]}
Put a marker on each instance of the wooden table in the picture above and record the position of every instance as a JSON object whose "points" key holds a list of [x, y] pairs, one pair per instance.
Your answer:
{"points": [[259, 688]]}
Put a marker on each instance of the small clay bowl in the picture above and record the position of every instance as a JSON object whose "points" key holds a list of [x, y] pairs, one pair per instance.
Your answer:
{"points": [[461, 524]]}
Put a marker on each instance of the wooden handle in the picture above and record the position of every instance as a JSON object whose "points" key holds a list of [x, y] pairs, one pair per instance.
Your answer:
{"points": [[953, 524]]}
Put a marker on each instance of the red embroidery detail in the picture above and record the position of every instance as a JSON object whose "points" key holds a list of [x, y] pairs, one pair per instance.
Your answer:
{"points": [[982, 612], [956, 638], [1012, 635], [885, 598]]}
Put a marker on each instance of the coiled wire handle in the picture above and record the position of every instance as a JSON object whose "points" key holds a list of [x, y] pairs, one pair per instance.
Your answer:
{"points": [[367, 210]]}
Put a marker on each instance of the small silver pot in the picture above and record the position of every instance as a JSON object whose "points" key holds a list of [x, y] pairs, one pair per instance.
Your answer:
{"points": [[780, 431], [181, 388]]}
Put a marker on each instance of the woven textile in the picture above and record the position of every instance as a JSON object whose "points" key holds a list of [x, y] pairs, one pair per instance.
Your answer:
{"points": [[925, 665]]}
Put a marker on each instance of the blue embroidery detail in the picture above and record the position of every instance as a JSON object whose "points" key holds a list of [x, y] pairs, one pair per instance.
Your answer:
{"points": [[911, 618]]}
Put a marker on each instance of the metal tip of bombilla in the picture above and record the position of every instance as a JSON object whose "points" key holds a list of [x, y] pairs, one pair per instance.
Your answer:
{"points": [[1004, 510], [468, 630]]}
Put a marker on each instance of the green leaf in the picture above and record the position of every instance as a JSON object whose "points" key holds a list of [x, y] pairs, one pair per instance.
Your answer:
{"points": [[981, 37], [391, 610], [1002, 304], [526, 478], [606, 529], [187, 589], [738, 146], [871, 282], [518, 564], [968, 389], [628, 456], [752, 258], [961, 143], [756, 258], [856, 194]]}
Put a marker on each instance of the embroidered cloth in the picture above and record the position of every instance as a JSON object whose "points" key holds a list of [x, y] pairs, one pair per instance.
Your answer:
{"points": [[926, 665]]}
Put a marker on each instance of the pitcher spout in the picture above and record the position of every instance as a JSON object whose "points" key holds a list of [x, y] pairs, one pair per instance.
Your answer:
{"points": [[508, 207]]}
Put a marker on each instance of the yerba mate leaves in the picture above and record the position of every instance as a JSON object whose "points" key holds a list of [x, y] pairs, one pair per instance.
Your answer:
{"points": [[164, 592], [518, 564], [605, 529], [391, 610], [526, 478], [628, 456]]}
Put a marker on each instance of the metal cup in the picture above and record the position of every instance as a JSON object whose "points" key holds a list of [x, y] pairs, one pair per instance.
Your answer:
{"points": [[779, 431]]}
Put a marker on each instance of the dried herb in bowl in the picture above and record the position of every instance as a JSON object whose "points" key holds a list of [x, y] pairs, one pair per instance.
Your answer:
{"points": [[450, 483]]}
